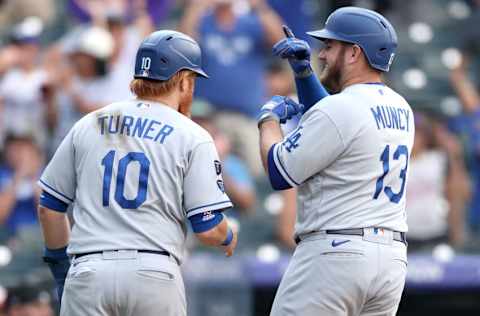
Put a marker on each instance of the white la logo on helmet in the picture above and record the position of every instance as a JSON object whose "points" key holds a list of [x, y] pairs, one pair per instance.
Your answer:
{"points": [[390, 61]]}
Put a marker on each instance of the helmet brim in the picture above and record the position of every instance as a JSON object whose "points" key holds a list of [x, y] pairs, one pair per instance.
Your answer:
{"points": [[201, 73], [325, 34]]}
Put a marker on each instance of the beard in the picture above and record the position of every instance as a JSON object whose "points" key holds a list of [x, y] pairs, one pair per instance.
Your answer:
{"points": [[331, 74], [330, 77]]}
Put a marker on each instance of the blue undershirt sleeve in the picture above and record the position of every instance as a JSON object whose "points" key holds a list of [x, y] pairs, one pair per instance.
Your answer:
{"points": [[276, 179], [49, 201], [310, 91], [202, 222]]}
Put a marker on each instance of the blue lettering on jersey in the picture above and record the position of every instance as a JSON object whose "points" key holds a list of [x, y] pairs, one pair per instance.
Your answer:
{"points": [[151, 129], [113, 123], [139, 126], [101, 122], [164, 132], [134, 127], [127, 122], [292, 141], [391, 117]]}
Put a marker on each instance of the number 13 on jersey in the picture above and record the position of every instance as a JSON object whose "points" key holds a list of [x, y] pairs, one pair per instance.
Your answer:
{"points": [[401, 150]]}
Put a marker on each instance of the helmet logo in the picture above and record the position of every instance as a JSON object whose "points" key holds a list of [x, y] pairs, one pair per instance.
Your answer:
{"points": [[146, 63], [392, 55], [328, 19]]}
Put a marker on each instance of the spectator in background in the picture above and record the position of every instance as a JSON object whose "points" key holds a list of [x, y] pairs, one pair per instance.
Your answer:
{"points": [[280, 81], [23, 161], [438, 188], [84, 11], [128, 22], [21, 87], [298, 15], [235, 46], [238, 182], [28, 301], [467, 127], [83, 83], [14, 11]]}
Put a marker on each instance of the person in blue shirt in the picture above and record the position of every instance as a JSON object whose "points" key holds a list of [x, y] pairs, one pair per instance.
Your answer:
{"points": [[236, 46], [18, 190], [466, 126], [237, 178]]}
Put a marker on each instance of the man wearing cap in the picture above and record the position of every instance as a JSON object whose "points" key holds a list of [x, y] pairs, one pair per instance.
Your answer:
{"points": [[348, 158], [135, 172]]}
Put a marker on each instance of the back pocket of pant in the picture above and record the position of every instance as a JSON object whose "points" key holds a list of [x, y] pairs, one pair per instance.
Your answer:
{"points": [[80, 272], [156, 274], [348, 254]]}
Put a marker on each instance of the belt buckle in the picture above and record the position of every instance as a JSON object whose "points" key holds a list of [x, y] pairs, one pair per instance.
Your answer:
{"points": [[378, 235]]}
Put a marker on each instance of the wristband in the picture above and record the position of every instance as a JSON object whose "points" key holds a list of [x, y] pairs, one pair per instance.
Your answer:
{"points": [[55, 255], [308, 71], [229, 238], [267, 116], [59, 263]]}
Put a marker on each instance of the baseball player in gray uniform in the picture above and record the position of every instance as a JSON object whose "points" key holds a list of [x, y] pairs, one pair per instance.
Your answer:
{"points": [[135, 171], [348, 159]]}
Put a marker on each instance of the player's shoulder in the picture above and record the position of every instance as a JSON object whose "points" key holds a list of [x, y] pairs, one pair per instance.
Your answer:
{"points": [[91, 119], [332, 106], [197, 133]]}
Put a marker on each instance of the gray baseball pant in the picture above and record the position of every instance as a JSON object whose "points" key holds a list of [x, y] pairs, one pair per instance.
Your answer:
{"points": [[124, 283], [354, 278]]}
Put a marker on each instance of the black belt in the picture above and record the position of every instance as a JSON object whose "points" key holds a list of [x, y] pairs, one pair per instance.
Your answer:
{"points": [[397, 236], [157, 252]]}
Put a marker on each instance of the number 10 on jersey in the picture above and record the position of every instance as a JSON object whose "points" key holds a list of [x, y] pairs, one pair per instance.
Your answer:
{"points": [[401, 150], [123, 163]]}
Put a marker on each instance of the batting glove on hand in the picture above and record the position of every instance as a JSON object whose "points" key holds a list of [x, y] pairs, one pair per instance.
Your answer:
{"points": [[296, 51], [279, 108], [59, 263]]}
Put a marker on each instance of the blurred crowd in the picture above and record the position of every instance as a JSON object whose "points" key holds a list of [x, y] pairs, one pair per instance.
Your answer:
{"points": [[62, 59]]}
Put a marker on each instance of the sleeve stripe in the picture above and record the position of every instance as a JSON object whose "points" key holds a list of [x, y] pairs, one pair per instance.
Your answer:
{"points": [[51, 202], [277, 180], [210, 207], [55, 192], [281, 168]]}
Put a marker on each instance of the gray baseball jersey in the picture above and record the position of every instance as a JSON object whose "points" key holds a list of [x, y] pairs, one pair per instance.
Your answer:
{"points": [[349, 158], [135, 171]]}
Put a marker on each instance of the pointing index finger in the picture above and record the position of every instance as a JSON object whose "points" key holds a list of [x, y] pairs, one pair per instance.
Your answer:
{"points": [[288, 32]]}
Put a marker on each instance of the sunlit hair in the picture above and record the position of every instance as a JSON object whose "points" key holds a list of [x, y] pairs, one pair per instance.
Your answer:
{"points": [[145, 88]]}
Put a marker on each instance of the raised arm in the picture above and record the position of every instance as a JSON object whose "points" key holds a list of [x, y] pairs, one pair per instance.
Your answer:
{"points": [[297, 52], [190, 20], [270, 20], [464, 87], [457, 185]]}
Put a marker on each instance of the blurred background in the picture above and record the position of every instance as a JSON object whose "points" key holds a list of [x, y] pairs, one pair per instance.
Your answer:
{"points": [[62, 59]]}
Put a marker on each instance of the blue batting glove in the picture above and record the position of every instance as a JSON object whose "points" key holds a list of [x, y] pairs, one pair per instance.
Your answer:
{"points": [[296, 51], [279, 108], [59, 263]]}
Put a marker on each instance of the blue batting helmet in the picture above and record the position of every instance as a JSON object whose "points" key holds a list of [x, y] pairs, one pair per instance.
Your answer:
{"points": [[366, 28], [163, 53]]}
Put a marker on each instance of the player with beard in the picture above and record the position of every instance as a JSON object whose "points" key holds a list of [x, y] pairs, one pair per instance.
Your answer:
{"points": [[136, 172], [348, 158]]}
